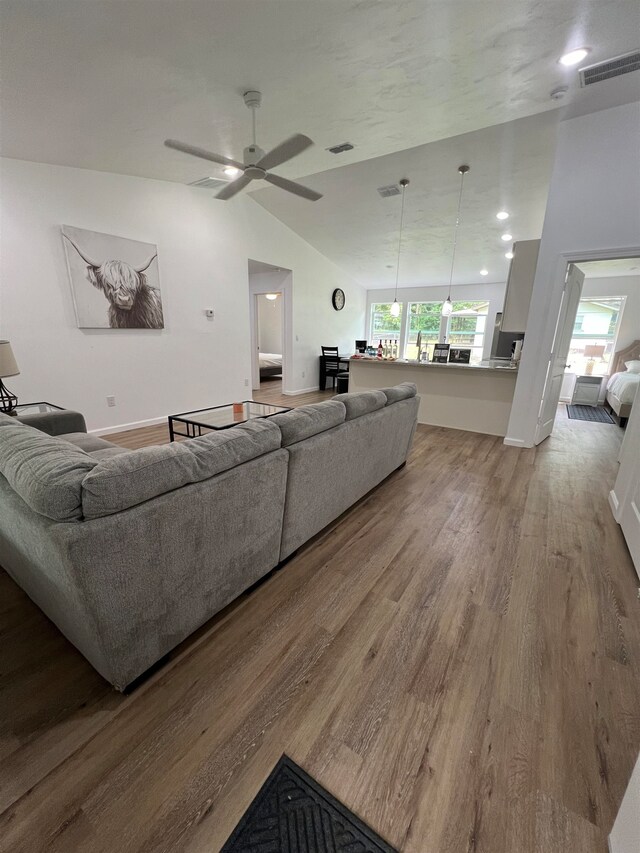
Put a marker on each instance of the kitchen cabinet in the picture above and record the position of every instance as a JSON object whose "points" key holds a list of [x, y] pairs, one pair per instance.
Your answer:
{"points": [[520, 285]]}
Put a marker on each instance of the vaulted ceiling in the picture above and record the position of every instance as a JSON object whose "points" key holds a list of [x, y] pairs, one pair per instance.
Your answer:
{"points": [[101, 84]]}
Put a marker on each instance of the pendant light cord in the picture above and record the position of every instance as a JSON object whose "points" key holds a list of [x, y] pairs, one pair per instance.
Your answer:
{"points": [[455, 234], [404, 186]]}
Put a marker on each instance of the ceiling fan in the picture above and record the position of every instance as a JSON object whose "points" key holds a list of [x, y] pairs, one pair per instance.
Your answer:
{"points": [[256, 162]]}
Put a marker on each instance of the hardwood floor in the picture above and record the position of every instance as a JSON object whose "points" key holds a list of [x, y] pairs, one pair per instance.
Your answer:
{"points": [[457, 659]]}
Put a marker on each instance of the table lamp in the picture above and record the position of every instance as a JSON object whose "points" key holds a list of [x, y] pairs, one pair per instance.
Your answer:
{"points": [[592, 352], [8, 367]]}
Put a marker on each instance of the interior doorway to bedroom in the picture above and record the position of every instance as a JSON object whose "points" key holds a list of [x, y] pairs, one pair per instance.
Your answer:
{"points": [[595, 354], [270, 319]]}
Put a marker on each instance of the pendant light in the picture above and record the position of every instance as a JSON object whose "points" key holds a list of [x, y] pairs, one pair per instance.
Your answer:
{"points": [[395, 308], [447, 307]]}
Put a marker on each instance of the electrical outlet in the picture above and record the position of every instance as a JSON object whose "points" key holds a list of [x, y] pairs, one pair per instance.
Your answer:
{"points": [[246, 383], [111, 400]]}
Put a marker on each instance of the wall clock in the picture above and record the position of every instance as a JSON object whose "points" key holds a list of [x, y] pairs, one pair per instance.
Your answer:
{"points": [[337, 299]]}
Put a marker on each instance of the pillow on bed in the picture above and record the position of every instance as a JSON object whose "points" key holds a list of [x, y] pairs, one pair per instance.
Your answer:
{"points": [[633, 366]]}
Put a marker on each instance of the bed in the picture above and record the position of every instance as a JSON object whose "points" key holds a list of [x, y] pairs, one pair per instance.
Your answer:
{"points": [[270, 364], [622, 385]]}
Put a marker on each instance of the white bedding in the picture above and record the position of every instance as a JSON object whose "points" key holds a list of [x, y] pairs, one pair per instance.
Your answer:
{"points": [[624, 385], [270, 359]]}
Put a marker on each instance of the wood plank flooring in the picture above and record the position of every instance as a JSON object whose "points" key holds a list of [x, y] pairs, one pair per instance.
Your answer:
{"points": [[457, 659]]}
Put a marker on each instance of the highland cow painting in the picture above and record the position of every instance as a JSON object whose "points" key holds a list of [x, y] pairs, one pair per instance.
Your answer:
{"points": [[114, 281]]}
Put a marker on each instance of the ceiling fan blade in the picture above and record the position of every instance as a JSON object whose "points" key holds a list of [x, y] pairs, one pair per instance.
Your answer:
{"points": [[234, 187], [200, 152], [291, 147], [292, 187]]}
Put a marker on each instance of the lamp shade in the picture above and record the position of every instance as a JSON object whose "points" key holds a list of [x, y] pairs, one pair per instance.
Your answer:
{"points": [[594, 351], [8, 364]]}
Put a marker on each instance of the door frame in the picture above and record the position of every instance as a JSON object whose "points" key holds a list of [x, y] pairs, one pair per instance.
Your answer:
{"points": [[285, 288], [532, 372], [568, 322]]}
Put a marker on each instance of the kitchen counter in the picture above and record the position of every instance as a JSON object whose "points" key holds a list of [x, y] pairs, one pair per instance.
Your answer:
{"points": [[498, 366], [473, 397]]}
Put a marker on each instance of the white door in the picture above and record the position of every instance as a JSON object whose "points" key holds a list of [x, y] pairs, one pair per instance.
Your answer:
{"points": [[625, 497], [559, 353]]}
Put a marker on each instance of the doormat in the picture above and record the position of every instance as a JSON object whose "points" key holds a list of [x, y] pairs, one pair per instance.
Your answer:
{"points": [[292, 813], [590, 413]]}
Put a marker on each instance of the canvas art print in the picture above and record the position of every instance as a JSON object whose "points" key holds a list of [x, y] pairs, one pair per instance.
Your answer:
{"points": [[114, 281]]}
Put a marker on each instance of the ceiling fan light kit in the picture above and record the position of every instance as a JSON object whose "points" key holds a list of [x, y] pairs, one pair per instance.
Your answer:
{"points": [[256, 163]]}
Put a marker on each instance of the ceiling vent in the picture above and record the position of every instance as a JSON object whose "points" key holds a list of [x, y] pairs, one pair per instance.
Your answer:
{"points": [[387, 192], [611, 68], [340, 149], [209, 184]]}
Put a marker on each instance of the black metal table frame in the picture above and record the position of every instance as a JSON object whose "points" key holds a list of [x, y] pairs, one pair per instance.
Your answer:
{"points": [[194, 428]]}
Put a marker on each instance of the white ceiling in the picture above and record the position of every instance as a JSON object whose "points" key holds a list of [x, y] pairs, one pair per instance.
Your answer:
{"points": [[101, 84], [510, 170]]}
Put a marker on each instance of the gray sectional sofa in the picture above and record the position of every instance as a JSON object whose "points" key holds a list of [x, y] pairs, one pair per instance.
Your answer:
{"points": [[129, 552]]}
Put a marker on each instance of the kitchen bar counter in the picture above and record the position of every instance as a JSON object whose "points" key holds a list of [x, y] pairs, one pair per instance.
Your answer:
{"points": [[473, 397]]}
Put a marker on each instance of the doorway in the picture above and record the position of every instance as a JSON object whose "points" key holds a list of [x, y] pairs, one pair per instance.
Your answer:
{"points": [[597, 332], [270, 321]]}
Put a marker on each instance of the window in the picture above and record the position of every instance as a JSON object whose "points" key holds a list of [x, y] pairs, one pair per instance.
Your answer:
{"points": [[424, 317], [594, 335], [466, 327], [383, 325]]}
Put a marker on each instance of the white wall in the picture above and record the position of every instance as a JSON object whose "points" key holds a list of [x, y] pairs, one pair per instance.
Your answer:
{"points": [[203, 249], [593, 204], [269, 324], [625, 835], [494, 293]]}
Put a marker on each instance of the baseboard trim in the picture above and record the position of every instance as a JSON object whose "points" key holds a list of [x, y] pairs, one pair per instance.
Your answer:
{"points": [[125, 427], [301, 391], [614, 503], [514, 442]]}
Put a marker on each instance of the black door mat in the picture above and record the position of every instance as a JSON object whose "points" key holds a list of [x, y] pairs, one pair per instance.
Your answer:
{"points": [[291, 813], [590, 413]]}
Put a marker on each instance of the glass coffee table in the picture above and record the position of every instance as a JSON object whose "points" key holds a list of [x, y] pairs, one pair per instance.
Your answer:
{"points": [[220, 417], [35, 408]]}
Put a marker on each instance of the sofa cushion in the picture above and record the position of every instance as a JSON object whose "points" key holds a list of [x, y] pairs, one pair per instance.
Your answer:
{"points": [[131, 478], [306, 421], [7, 420], [45, 471], [361, 403], [87, 442], [399, 392], [108, 452]]}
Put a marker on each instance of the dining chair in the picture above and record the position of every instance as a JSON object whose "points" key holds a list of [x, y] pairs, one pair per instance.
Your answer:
{"points": [[331, 363]]}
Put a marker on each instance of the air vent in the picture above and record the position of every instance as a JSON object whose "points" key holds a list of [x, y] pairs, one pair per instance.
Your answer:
{"points": [[611, 68], [387, 192], [209, 184], [340, 149]]}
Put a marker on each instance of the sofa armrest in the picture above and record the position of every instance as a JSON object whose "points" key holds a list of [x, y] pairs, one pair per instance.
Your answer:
{"points": [[56, 423]]}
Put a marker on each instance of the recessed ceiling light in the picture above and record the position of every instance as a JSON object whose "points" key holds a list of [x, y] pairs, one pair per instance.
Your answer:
{"points": [[484, 272], [231, 171], [507, 237], [502, 215], [271, 296], [508, 255], [574, 56]]}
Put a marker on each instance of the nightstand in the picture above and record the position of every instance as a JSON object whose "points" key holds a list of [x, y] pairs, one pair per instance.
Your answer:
{"points": [[586, 391]]}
